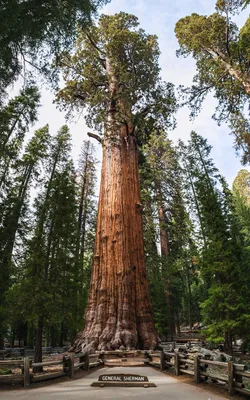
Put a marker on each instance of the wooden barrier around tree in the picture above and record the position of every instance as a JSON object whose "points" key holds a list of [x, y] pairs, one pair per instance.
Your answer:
{"points": [[197, 368], [68, 367], [181, 363]]}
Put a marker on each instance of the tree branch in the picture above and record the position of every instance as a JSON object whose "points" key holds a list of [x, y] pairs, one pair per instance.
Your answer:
{"points": [[227, 37], [145, 111], [102, 60], [79, 96], [94, 44], [94, 136]]}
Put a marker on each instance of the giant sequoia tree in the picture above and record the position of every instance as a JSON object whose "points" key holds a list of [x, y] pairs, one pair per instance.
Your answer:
{"points": [[114, 73]]}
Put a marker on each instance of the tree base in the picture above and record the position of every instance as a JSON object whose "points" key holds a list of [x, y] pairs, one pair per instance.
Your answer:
{"points": [[84, 343]]}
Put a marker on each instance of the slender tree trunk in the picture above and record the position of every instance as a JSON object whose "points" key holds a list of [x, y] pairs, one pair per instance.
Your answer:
{"points": [[62, 334], [197, 206], [82, 245], [178, 328], [39, 344], [190, 319], [81, 220], [228, 343], [30, 336], [165, 253], [119, 312]]}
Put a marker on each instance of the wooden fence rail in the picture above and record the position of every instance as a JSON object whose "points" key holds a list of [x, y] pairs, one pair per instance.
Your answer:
{"points": [[69, 364], [198, 368]]}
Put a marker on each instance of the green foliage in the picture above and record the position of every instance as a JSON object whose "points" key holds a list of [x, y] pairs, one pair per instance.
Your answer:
{"points": [[117, 47], [242, 203], [32, 32], [51, 275], [5, 371], [86, 224], [241, 184], [166, 234], [14, 202], [16, 119], [48, 265], [221, 53], [224, 254]]}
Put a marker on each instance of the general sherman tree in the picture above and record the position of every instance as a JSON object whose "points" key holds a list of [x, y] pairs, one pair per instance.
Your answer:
{"points": [[114, 74]]}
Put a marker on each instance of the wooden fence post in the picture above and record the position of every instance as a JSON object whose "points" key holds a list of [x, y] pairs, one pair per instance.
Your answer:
{"points": [[71, 366], [65, 364], [230, 378], [177, 364], [162, 361], [26, 372], [197, 369], [102, 357], [68, 365], [85, 358]]}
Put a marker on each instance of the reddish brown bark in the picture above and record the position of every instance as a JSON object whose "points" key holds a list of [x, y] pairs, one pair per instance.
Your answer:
{"points": [[119, 312]]}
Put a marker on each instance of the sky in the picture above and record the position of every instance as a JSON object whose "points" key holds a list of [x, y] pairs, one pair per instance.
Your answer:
{"points": [[159, 17]]}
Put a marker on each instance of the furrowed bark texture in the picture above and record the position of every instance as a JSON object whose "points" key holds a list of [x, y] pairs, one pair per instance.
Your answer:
{"points": [[119, 311]]}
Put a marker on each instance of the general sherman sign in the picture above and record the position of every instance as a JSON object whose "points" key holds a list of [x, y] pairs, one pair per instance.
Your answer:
{"points": [[122, 378]]}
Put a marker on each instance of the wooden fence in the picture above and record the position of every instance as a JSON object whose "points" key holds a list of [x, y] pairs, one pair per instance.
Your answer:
{"points": [[234, 375], [68, 364]]}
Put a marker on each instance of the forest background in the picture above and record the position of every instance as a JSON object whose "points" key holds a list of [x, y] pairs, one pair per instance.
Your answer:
{"points": [[203, 266]]}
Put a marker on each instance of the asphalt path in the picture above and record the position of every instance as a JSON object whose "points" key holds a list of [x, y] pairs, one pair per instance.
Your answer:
{"points": [[168, 388]]}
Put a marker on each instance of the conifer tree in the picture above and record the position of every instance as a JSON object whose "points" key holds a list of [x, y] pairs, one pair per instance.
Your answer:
{"points": [[31, 33], [86, 203], [49, 263], [220, 50], [16, 118], [223, 256], [15, 205]]}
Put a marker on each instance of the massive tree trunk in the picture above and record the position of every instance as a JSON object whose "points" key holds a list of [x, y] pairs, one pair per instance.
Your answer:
{"points": [[119, 311]]}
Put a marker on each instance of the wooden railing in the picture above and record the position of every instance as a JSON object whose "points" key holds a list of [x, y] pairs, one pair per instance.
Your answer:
{"points": [[69, 364], [234, 375], [201, 369]]}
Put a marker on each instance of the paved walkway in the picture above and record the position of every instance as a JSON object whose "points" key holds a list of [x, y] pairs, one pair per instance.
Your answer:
{"points": [[168, 388]]}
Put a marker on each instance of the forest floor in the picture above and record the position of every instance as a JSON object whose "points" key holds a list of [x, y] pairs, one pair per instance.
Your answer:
{"points": [[167, 387]]}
